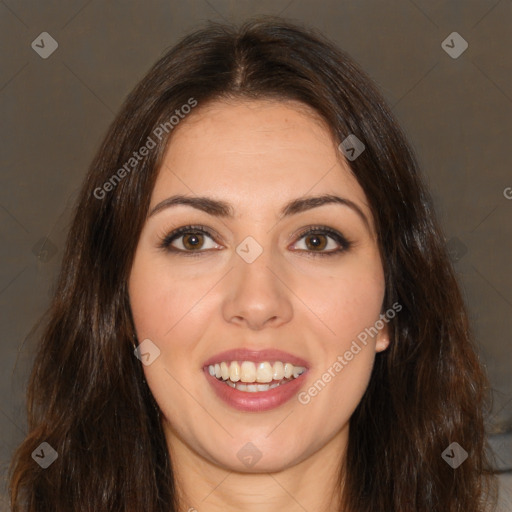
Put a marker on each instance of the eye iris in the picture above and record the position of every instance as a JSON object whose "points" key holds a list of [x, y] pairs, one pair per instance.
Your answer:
{"points": [[194, 240], [316, 241]]}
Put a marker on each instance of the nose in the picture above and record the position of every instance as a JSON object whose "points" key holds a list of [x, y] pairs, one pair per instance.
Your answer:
{"points": [[256, 294]]}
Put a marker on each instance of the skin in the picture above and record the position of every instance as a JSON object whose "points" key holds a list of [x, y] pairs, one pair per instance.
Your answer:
{"points": [[256, 155]]}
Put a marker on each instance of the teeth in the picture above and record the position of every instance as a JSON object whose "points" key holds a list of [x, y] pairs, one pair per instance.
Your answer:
{"points": [[234, 372], [278, 373], [248, 371], [264, 373], [224, 371], [297, 371], [252, 377], [252, 388]]}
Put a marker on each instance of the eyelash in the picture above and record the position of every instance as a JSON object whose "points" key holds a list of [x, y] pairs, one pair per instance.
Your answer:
{"points": [[166, 240]]}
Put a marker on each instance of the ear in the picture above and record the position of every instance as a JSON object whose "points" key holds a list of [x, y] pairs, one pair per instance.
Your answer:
{"points": [[382, 339]]}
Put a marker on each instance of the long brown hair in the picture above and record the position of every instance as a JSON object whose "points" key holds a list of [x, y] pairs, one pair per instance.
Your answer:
{"points": [[87, 396]]}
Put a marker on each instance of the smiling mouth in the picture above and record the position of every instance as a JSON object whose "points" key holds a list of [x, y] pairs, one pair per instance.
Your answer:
{"points": [[255, 377]]}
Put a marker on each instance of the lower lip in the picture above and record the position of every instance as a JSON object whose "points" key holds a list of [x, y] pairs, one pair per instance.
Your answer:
{"points": [[259, 400]]}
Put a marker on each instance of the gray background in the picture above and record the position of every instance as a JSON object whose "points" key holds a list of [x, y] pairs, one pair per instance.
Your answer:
{"points": [[55, 111]]}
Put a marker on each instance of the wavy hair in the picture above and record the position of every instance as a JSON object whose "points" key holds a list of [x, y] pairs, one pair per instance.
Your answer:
{"points": [[87, 396]]}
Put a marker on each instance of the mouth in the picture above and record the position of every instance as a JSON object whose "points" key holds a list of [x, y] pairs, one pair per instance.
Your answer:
{"points": [[255, 381], [250, 377]]}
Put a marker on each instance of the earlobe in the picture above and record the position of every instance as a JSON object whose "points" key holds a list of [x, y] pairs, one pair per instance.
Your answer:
{"points": [[382, 340]]}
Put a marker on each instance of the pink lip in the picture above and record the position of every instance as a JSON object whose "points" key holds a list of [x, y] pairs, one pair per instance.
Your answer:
{"points": [[255, 402], [261, 400], [258, 356]]}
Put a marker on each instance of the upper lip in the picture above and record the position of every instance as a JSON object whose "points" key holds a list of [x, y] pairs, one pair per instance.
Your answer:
{"points": [[258, 356]]}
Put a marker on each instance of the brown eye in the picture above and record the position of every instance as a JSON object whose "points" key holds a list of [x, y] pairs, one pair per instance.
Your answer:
{"points": [[317, 241], [192, 240], [188, 240], [322, 241]]}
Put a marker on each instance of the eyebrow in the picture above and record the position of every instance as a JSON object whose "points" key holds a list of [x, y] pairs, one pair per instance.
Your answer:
{"points": [[218, 208]]}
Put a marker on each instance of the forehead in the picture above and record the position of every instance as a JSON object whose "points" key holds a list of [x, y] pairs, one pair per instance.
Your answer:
{"points": [[267, 150], [238, 129]]}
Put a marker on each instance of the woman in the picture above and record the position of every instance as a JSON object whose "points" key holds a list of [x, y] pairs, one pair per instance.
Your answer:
{"points": [[255, 310]]}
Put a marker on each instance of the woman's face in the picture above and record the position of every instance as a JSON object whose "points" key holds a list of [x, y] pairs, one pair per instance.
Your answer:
{"points": [[247, 279]]}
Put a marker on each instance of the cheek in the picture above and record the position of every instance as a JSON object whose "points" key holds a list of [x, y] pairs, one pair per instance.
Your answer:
{"points": [[356, 305], [335, 391], [349, 304], [169, 308], [160, 298], [347, 301], [165, 309], [352, 306]]}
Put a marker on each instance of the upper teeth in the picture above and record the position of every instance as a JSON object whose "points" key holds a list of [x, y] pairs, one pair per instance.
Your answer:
{"points": [[248, 371]]}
